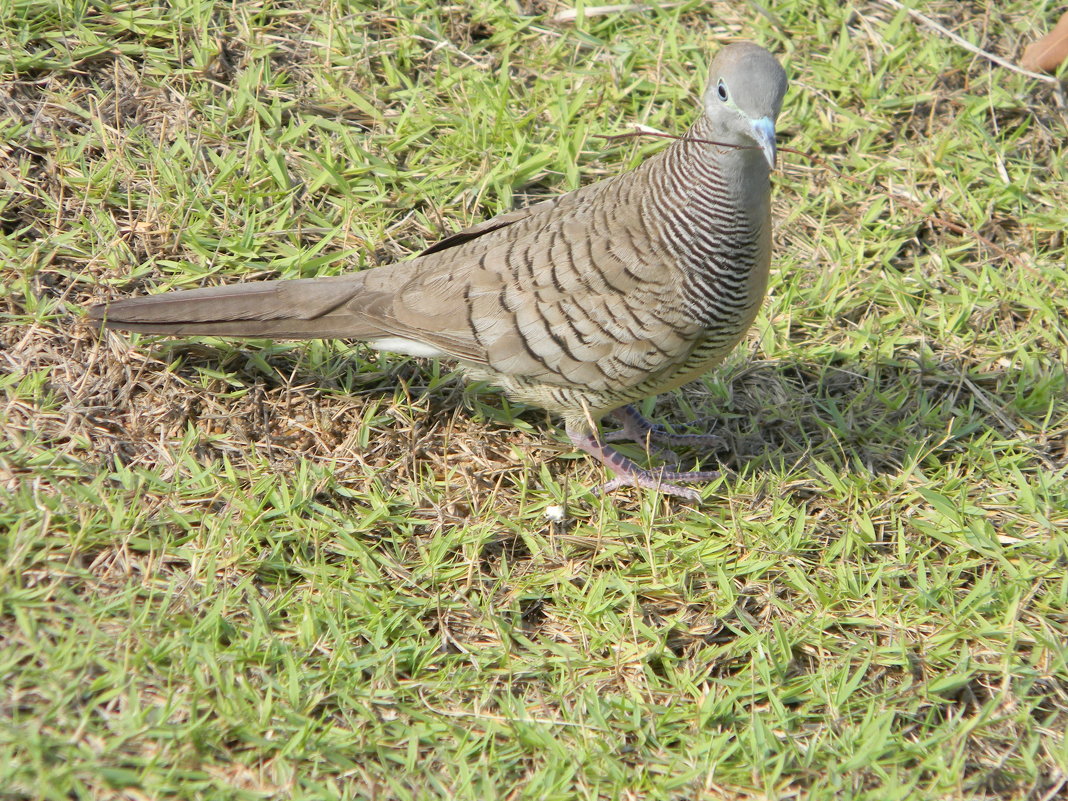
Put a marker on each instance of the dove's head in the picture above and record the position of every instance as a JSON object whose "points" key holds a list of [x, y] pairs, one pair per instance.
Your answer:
{"points": [[746, 85]]}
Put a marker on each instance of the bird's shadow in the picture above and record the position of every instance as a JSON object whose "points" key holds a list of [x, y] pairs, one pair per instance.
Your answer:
{"points": [[877, 415]]}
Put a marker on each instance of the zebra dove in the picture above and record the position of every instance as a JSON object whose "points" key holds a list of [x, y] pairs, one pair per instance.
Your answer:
{"points": [[583, 304]]}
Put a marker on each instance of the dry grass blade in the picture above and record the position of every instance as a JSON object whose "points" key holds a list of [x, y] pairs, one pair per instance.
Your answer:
{"points": [[590, 12]]}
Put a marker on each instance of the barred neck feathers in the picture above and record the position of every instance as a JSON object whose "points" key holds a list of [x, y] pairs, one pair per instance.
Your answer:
{"points": [[713, 224]]}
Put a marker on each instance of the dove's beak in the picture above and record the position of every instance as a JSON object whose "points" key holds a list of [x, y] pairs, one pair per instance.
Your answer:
{"points": [[764, 133]]}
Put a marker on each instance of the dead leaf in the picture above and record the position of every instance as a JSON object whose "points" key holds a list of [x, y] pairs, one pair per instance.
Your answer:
{"points": [[1050, 51]]}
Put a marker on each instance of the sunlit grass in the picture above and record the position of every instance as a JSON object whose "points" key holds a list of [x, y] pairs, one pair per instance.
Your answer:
{"points": [[301, 570]]}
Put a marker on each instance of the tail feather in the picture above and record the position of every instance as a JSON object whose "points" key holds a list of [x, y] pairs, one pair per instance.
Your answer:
{"points": [[307, 308]]}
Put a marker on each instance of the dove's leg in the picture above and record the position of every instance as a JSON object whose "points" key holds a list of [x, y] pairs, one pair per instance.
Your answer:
{"points": [[629, 474]]}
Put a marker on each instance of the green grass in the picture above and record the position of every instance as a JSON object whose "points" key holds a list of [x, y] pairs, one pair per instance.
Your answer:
{"points": [[278, 570]]}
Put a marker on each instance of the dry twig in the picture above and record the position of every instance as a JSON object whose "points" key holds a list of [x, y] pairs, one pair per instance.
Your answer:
{"points": [[930, 23]]}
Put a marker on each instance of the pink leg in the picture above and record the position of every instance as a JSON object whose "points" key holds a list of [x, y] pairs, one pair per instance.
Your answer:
{"points": [[629, 474]]}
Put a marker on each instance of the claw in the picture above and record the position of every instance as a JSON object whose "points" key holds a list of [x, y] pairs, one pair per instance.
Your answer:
{"points": [[637, 429], [630, 474]]}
